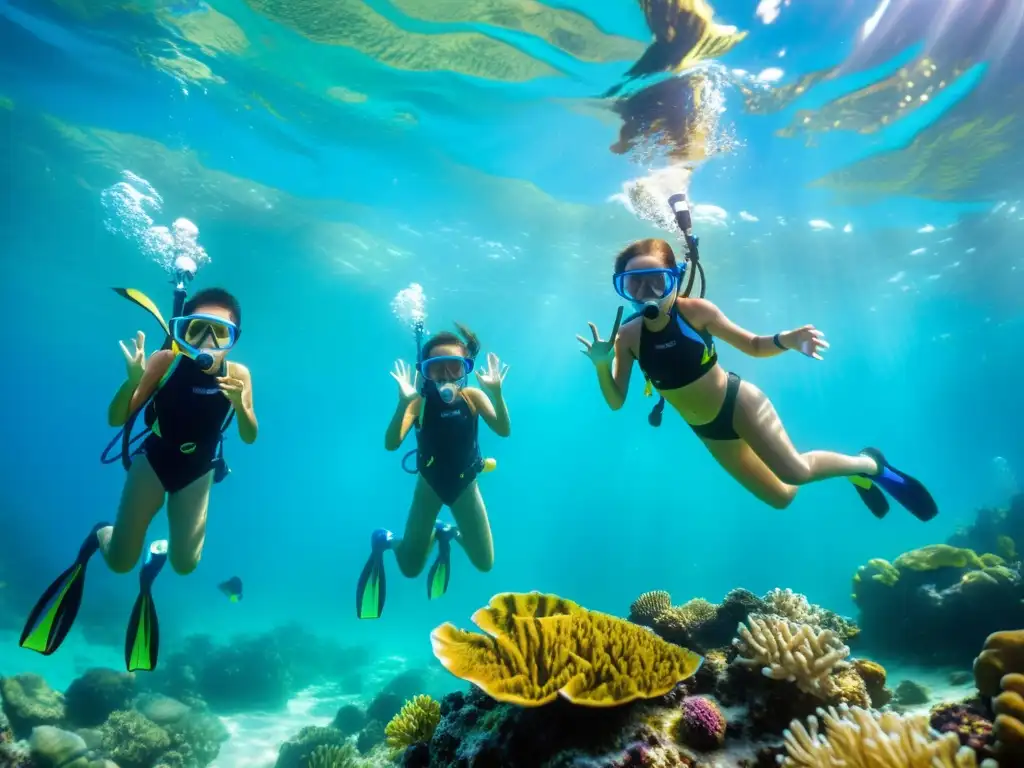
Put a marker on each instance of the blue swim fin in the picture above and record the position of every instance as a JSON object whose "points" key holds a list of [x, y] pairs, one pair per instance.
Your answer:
{"points": [[909, 492]]}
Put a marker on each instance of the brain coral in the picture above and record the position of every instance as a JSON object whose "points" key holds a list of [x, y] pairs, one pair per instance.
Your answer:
{"points": [[538, 647]]}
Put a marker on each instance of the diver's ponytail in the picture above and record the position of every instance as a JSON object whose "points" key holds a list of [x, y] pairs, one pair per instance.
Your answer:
{"points": [[470, 339]]}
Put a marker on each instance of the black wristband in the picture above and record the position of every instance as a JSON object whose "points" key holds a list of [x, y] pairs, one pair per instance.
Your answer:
{"points": [[778, 343]]}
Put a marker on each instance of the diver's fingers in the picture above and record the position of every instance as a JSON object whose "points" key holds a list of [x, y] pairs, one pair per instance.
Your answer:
{"points": [[130, 355], [822, 343], [816, 356], [618, 321], [504, 372], [593, 330], [140, 340], [584, 342]]}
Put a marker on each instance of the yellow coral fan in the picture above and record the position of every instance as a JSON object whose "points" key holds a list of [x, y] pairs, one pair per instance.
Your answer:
{"points": [[1009, 724], [860, 737], [416, 722], [499, 615], [1002, 654], [650, 604], [587, 657]]}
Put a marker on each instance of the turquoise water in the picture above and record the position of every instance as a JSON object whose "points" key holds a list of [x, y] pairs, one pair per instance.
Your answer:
{"points": [[498, 197]]}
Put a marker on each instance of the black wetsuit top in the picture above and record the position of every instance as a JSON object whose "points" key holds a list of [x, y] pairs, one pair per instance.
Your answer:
{"points": [[447, 448], [676, 355], [189, 410]]}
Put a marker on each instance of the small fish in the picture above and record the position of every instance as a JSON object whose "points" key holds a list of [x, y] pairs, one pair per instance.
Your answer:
{"points": [[232, 588]]}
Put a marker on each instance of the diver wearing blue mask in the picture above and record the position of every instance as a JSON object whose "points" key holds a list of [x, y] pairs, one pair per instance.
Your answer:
{"points": [[672, 338], [187, 392], [445, 413]]}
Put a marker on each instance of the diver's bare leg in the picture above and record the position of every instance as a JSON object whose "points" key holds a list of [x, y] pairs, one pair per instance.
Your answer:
{"points": [[186, 518], [474, 528], [740, 461], [413, 549], [756, 421], [142, 496]]}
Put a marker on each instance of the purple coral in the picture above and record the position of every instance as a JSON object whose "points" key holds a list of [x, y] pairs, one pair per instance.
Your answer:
{"points": [[968, 720], [703, 724]]}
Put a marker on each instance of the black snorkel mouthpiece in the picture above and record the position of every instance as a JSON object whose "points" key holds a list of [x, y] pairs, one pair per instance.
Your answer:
{"points": [[204, 360], [651, 310]]}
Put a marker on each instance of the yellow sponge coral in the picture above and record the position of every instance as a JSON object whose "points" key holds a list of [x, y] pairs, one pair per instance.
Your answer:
{"points": [[1002, 654], [937, 556], [415, 722], [558, 648]]}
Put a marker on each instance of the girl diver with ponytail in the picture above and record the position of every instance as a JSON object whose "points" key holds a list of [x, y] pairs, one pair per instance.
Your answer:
{"points": [[672, 336], [445, 413]]}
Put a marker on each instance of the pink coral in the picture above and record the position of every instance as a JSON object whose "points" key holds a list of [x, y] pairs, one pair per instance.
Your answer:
{"points": [[703, 724]]}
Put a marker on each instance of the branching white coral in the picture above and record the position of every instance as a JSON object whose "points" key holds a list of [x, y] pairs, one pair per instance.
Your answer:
{"points": [[861, 738], [793, 606], [786, 650]]}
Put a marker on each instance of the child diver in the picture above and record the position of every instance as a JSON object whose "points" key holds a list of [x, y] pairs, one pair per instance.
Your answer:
{"points": [[188, 393], [448, 460]]}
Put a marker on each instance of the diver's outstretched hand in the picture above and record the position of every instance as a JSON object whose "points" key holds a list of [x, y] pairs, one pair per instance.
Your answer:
{"points": [[493, 376], [408, 380], [135, 357], [600, 351], [806, 340]]}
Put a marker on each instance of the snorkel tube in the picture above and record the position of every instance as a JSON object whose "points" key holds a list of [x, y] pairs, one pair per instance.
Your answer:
{"points": [[681, 209]]}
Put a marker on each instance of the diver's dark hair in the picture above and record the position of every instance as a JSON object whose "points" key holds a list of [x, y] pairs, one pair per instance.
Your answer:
{"points": [[216, 297], [649, 247], [465, 339]]}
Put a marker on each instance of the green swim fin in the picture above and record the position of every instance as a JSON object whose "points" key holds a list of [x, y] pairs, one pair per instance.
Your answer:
{"points": [[371, 588], [142, 640], [54, 613], [441, 571], [871, 495]]}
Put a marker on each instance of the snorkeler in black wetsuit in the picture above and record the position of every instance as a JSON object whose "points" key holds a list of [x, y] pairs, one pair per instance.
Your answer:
{"points": [[672, 338], [446, 415], [188, 393]]}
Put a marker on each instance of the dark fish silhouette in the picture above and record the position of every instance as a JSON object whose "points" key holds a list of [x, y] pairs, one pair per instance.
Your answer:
{"points": [[232, 588]]}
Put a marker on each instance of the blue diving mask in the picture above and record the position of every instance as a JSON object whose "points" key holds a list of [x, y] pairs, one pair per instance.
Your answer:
{"points": [[198, 335], [447, 374], [646, 289]]}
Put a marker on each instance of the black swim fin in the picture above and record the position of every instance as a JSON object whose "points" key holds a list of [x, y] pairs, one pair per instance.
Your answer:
{"points": [[871, 495], [371, 588], [142, 640], [54, 613], [909, 492], [441, 571]]}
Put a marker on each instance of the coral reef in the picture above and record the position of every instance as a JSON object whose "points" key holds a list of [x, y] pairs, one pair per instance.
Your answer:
{"points": [[29, 702], [296, 752], [789, 651], [1002, 654], [994, 530], [415, 723], [133, 741], [935, 605], [538, 647], [910, 694], [968, 719], [859, 737], [349, 720], [91, 698], [703, 626]]}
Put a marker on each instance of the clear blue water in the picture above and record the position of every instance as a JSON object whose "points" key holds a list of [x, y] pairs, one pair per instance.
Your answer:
{"points": [[317, 206]]}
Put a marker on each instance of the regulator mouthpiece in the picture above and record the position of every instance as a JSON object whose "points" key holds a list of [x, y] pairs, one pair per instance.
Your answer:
{"points": [[651, 310], [204, 360], [447, 392], [681, 208]]}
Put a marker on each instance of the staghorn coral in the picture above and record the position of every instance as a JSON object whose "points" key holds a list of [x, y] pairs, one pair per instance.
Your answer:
{"points": [[1009, 724], [860, 737], [589, 658], [649, 605], [789, 651], [414, 724], [1002, 654]]}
